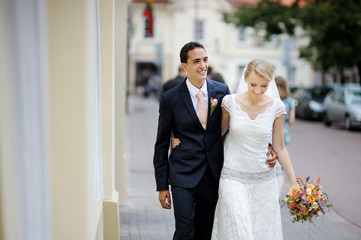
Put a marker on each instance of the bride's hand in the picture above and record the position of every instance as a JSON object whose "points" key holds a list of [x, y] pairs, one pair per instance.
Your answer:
{"points": [[175, 142]]}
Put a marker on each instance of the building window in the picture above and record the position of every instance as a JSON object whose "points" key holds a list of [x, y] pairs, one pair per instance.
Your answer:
{"points": [[242, 34], [199, 29]]}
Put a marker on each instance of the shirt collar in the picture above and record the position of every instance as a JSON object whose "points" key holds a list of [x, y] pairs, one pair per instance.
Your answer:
{"points": [[194, 90]]}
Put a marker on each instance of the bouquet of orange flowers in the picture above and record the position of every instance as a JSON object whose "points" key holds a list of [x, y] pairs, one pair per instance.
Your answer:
{"points": [[306, 200]]}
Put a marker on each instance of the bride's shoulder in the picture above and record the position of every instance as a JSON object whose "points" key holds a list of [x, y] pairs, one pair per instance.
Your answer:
{"points": [[228, 97], [280, 107], [279, 102], [227, 101]]}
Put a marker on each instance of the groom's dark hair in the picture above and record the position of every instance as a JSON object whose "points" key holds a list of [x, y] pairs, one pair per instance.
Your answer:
{"points": [[187, 47]]}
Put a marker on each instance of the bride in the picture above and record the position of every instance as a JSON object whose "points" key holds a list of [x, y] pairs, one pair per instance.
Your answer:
{"points": [[248, 206]]}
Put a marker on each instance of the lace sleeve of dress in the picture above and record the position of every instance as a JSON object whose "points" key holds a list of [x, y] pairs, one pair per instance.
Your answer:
{"points": [[280, 108], [227, 102]]}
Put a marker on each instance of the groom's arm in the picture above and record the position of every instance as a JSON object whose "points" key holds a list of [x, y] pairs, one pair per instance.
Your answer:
{"points": [[160, 160], [271, 156]]}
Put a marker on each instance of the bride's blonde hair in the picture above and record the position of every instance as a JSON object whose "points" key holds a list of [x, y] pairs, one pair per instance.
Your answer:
{"points": [[260, 67]]}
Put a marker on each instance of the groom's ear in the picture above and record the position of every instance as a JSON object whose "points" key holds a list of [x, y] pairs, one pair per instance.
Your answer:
{"points": [[184, 65]]}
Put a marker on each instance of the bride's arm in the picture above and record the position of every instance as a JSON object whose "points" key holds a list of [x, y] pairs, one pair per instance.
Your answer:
{"points": [[280, 147], [225, 121]]}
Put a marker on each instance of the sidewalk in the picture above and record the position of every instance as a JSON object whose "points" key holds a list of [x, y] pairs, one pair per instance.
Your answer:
{"points": [[141, 216]]}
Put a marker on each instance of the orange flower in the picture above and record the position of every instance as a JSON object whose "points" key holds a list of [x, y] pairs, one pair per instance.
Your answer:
{"points": [[293, 191], [304, 212], [310, 198], [310, 186], [317, 195], [291, 204]]}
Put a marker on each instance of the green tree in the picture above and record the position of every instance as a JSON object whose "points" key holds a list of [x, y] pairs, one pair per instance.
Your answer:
{"points": [[332, 26]]}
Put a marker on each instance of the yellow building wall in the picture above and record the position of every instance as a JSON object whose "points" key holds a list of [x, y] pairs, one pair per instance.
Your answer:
{"points": [[68, 119], [120, 88], [75, 211], [71, 51]]}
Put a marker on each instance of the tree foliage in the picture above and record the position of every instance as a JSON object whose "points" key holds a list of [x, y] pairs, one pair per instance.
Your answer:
{"points": [[332, 26]]}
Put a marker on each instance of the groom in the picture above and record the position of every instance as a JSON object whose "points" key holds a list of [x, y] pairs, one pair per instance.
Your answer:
{"points": [[191, 112]]}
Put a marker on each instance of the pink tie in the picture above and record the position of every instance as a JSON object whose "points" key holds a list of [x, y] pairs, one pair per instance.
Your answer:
{"points": [[201, 109]]}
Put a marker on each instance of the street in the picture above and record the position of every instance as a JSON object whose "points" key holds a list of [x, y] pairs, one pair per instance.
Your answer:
{"points": [[316, 151], [333, 154]]}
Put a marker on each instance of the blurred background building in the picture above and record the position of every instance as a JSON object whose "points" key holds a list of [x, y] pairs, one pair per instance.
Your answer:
{"points": [[155, 44]]}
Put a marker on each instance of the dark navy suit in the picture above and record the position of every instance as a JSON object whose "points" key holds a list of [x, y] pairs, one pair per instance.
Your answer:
{"points": [[193, 168]]}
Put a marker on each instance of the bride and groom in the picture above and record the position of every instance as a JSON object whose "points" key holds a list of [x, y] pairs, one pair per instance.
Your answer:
{"points": [[197, 113]]}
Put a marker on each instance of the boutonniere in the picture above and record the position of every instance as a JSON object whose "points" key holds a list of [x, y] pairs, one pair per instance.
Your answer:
{"points": [[214, 102]]}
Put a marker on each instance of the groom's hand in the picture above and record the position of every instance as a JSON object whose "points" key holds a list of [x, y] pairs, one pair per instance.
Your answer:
{"points": [[164, 199], [175, 142], [271, 157]]}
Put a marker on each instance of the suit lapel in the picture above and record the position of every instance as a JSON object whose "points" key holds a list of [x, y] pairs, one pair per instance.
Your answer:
{"points": [[188, 103], [211, 93]]}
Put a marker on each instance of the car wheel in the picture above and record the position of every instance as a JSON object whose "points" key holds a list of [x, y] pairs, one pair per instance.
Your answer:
{"points": [[326, 120], [348, 124]]}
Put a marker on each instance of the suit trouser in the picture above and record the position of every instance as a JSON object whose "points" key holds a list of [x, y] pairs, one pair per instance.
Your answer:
{"points": [[194, 209]]}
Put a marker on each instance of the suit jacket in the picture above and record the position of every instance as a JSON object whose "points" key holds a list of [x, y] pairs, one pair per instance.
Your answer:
{"points": [[199, 148]]}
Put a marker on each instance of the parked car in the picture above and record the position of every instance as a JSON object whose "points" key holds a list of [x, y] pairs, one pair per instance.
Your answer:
{"points": [[310, 101], [343, 105]]}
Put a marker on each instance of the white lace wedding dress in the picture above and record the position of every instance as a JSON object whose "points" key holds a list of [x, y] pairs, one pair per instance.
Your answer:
{"points": [[248, 206]]}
